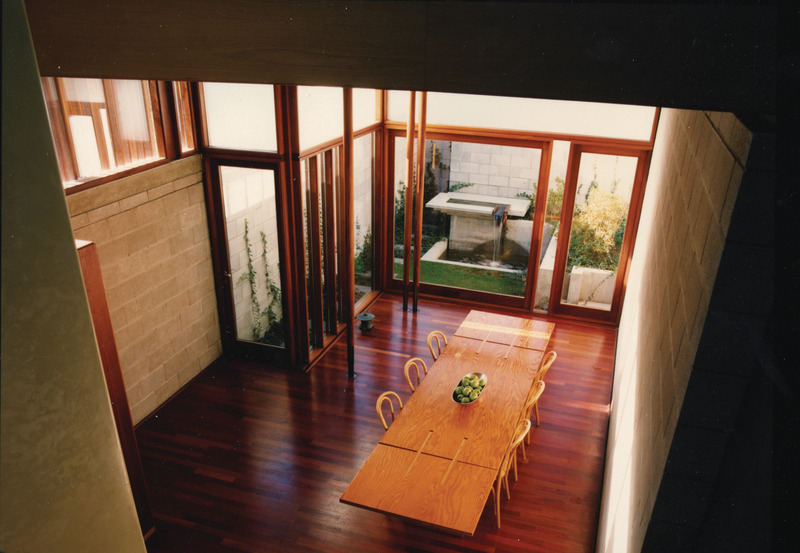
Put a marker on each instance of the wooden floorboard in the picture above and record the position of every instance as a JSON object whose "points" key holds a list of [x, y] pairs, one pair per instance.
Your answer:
{"points": [[253, 458]]}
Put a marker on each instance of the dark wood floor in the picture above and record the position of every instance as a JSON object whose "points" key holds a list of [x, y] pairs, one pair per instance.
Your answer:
{"points": [[252, 458]]}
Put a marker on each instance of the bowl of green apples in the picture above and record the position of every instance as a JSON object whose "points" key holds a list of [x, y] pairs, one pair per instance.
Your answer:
{"points": [[469, 388]]}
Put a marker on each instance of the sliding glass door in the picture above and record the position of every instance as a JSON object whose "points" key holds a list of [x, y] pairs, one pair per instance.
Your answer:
{"points": [[479, 224], [600, 214]]}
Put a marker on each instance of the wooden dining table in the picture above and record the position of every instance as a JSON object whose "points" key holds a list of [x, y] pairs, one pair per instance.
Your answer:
{"points": [[438, 460]]}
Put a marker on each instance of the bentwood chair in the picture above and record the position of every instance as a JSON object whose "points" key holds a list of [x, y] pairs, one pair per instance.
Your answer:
{"points": [[415, 362], [501, 481], [438, 337], [530, 404], [547, 361], [387, 397]]}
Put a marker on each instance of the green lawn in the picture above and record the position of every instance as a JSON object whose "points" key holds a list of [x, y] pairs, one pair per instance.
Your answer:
{"points": [[485, 280]]}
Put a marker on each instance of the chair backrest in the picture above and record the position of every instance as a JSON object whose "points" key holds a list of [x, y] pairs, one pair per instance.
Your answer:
{"points": [[533, 396], [415, 362], [547, 361], [523, 427], [387, 397], [438, 337]]}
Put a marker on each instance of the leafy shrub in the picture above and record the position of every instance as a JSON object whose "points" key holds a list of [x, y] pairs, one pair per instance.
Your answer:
{"points": [[597, 232]]}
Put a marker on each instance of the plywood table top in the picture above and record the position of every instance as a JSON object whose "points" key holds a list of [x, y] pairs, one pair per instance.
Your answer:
{"points": [[506, 329], [477, 432], [437, 492], [438, 460]]}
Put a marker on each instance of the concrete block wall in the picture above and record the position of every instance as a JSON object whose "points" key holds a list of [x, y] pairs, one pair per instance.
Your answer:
{"points": [[153, 244], [502, 171], [697, 167]]}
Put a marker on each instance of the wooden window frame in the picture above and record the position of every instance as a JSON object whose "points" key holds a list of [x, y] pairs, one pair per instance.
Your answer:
{"points": [[163, 127], [643, 156], [470, 135]]}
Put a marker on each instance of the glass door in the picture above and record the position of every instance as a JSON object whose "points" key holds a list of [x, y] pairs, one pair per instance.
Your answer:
{"points": [[595, 237], [250, 264], [480, 232]]}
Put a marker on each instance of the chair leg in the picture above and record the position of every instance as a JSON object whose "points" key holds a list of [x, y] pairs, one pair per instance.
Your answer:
{"points": [[515, 467], [497, 501], [536, 412]]}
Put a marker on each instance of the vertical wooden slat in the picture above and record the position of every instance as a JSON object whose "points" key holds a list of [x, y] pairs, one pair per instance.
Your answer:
{"points": [[314, 253], [290, 202], [409, 205], [420, 194], [168, 113], [104, 332], [329, 230], [540, 208], [63, 142], [348, 270], [121, 148]]}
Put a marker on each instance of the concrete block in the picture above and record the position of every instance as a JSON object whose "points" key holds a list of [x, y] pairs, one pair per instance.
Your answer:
{"points": [[150, 212], [191, 216], [142, 238], [700, 217], [740, 141], [132, 309], [133, 394], [103, 212], [140, 410], [201, 289], [176, 201], [97, 232], [127, 334], [181, 242], [152, 381], [161, 293], [199, 253], [123, 223], [498, 181], [160, 191], [79, 221], [712, 252], [168, 389], [730, 198], [717, 184], [195, 193], [132, 202], [121, 293], [209, 355]]}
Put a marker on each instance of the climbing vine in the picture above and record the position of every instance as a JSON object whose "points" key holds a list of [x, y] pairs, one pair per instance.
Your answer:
{"points": [[273, 333]]}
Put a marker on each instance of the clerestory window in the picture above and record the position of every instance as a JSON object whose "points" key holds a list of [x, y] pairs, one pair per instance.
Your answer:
{"points": [[106, 127]]}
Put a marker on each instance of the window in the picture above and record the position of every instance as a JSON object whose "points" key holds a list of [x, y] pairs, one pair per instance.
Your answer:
{"points": [[184, 119], [103, 127]]}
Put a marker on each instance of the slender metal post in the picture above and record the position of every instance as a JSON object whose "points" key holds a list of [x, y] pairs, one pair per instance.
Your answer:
{"points": [[348, 239], [408, 208], [420, 194]]}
